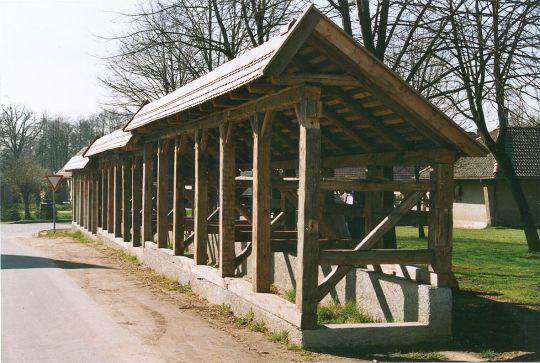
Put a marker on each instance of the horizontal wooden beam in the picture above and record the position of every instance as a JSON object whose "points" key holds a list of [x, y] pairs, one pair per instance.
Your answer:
{"points": [[365, 185], [283, 183], [276, 101], [416, 157], [322, 79], [374, 257]]}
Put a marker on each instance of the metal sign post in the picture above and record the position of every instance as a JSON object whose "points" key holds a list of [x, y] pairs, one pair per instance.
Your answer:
{"points": [[54, 182]]}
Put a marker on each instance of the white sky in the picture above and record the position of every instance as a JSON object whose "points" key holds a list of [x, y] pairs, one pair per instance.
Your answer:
{"points": [[49, 49]]}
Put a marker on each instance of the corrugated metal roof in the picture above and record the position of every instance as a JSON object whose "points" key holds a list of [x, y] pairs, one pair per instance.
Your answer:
{"points": [[227, 77], [114, 140], [77, 162]]}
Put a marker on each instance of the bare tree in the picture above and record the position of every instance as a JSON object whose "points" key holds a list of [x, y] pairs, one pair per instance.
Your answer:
{"points": [[18, 129], [173, 42], [496, 58]]}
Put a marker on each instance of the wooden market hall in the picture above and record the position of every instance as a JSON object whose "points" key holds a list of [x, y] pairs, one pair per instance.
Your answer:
{"points": [[247, 155]]}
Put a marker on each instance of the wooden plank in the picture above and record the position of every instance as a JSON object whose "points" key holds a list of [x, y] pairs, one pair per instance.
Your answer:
{"points": [[162, 194], [374, 257], [179, 211], [148, 170], [227, 199], [372, 237], [136, 204], [440, 226], [342, 80], [415, 157], [201, 201], [353, 135], [126, 200], [308, 113], [260, 270], [337, 183], [117, 199]]}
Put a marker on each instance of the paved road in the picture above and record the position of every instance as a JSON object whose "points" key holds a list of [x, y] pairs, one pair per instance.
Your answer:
{"points": [[46, 316], [66, 302]]}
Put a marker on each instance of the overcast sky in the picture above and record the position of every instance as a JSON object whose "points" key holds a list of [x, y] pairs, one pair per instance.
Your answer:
{"points": [[48, 52]]}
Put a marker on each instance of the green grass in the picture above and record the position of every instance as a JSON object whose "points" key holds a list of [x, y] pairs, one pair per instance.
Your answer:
{"points": [[77, 236], [173, 285], [418, 356], [290, 295], [491, 260], [334, 313], [126, 256], [244, 320], [280, 337]]}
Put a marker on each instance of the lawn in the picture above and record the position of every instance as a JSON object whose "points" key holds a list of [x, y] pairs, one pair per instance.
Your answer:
{"points": [[491, 260]]}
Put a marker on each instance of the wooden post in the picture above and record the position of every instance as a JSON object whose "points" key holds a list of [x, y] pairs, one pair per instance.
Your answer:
{"points": [[85, 201], [374, 202], [136, 204], [110, 201], [88, 191], [95, 201], [80, 197], [126, 200], [201, 198], [179, 211], [73, 199], [118, 198], [262, 127], [99, 212], [309, 172], [163, 193], [227, 198], [440, 226], [147, 234], [104, 196]]}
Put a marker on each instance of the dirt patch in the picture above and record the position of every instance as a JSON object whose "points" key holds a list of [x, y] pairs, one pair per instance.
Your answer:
{"points": [[177, 324]]}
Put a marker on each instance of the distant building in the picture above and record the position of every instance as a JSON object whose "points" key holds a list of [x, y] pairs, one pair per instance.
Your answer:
{"points": [[482, 195]]}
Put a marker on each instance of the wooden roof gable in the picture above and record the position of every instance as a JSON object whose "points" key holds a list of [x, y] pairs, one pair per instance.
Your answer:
{"points": [[367, 107]]}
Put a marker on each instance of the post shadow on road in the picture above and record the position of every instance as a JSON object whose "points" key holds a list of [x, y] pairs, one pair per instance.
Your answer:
{"points": [[17, 262]]}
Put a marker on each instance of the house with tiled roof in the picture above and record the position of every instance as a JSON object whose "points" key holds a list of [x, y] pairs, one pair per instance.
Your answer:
{"points": [[482, 194]]}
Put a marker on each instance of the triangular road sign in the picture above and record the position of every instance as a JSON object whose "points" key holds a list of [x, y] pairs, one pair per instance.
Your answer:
{"points": [[54, 180]]}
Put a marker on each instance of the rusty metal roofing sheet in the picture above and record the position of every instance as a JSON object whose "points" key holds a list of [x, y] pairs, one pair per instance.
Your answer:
{"points": [[114, 140], [227, 77]]}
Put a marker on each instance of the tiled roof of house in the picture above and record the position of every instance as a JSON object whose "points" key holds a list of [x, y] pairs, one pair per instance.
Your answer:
{"points": [[523, 146], [114, 140]]}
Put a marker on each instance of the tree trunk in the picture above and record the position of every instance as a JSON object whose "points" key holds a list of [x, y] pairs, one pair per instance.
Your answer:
{"points": [[26, 201], [527, 218]]}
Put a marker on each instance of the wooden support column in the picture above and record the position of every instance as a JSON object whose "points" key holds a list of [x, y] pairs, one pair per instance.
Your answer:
{"points": [[85, 201], [163, 193], [110, 198], [118, 198], [179, 211], [440, 226], [73, 199], [262, 192], [147, 234], [80, 197], [374, 202], [87, 213], [227, 198], [126, 200], [309, 172], [136, 201], [201, 198], [95, 203], [104, 196]]}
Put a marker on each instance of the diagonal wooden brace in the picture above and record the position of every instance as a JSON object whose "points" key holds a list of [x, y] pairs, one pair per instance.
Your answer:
{"points": [[367, 243]]}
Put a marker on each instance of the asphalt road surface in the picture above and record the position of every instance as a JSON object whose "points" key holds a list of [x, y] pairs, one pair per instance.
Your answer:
{"points": [[67, 302]]}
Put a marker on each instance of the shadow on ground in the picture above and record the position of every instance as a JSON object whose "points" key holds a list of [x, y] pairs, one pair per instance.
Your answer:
{"points": [[14, 262], [495, 329]]}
